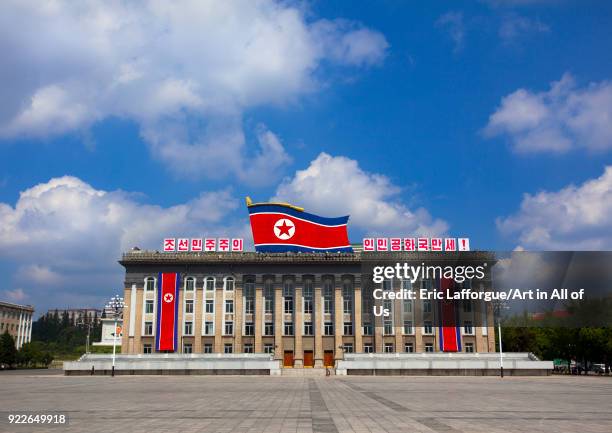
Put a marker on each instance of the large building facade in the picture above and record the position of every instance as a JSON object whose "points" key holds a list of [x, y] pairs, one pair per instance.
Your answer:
{"points": [[17, 321], [306, 310]]}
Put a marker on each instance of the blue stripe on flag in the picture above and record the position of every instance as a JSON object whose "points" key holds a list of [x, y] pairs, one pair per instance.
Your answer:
{"points": [[270, 208]]}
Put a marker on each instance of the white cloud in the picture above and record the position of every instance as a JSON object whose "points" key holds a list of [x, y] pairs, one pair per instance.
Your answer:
{"points": [[16, 295], [514, 27], [453, 23], [65, 234], [189, 64], [573, 218], [557, 120], [335, 186]]}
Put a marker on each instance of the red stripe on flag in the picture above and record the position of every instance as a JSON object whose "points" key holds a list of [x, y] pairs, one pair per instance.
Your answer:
{"points": [[447, 319], [306, 233], [167, 311]]}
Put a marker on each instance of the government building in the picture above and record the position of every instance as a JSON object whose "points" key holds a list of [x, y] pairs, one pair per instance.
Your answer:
{"points": [[17, 321], [303, 309]]}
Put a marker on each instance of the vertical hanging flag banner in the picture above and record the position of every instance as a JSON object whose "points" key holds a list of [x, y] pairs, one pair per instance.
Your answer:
{"points": [[167, 311], [281, 227], [450, 337]]}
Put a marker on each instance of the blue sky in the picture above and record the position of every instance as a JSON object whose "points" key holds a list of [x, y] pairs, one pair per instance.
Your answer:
{"points": [[405, 100]]}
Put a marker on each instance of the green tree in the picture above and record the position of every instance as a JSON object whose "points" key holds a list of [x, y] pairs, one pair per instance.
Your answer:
{"points": [[8, 351]]}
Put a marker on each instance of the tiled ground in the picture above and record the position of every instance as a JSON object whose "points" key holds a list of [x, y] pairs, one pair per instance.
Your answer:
{"points": [[294, 404]]}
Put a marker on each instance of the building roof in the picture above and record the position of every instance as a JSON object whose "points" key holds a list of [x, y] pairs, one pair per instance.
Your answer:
{"points": [[17, 306]]}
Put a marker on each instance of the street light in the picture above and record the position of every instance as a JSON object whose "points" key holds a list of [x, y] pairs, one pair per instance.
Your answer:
{"points": [[115, 305], [498, 306], [89, 325]]}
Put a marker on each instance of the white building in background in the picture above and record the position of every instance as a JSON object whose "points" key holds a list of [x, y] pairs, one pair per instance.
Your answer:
{"points": [[17, 320]]}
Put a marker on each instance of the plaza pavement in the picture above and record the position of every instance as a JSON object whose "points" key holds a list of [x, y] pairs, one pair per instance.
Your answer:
{"points": [[320, 405]]}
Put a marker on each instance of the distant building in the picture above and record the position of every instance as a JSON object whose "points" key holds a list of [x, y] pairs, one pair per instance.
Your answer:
{"points": [[77, 314], [17, 320]]}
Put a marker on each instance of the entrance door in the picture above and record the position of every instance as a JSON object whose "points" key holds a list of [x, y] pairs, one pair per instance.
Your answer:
{"points": [[288, 358], [308, 358], [328, 358]]}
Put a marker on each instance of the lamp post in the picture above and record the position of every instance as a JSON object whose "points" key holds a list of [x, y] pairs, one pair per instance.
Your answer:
{"points": [[498, 306], [115, 305], [89, 326]]}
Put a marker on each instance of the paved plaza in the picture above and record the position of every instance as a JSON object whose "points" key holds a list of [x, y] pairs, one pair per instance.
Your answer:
{"points": [[300, 404]]}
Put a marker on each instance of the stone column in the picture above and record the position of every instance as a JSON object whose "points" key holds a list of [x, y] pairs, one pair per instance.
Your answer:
{"points": [[219, 314], [398, 324], [357, 318], [138, 314], [238, 315], [278, 321], [378, 329], [198, 312], [259, 314], [128, 317], [298, 326], [318, 324], [417, 308], [338, 320]]}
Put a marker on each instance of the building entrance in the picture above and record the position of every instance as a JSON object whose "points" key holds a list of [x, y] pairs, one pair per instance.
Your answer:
{"points": [[288, 358]]}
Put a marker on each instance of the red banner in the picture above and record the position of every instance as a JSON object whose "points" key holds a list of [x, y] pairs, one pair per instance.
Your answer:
{"points": [[167, 311]]}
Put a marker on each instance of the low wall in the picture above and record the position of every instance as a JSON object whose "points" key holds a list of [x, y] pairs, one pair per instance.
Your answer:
{"points": [[174, 364], [443, 364]]}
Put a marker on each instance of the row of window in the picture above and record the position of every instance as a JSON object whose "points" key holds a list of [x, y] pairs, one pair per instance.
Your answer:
{"points": [[348, 348], [190, 284], [328, 328]]}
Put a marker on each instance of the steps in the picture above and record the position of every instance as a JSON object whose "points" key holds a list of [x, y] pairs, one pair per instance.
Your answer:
{"points": [[305, 372]]}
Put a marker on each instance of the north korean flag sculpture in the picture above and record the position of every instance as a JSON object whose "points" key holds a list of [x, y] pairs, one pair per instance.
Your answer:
{"points": [[281, 227], [167, 311]]}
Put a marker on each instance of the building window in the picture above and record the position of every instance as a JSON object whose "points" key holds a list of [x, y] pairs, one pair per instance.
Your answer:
{"points": [[268, 348], [467, 306], [427, 306], [408, 348], [308, 305], [388, 327], [269, 297], [429, 347], [189, 306], [248, 348], [229, 307], [469, 347], [207, 348], [288, 289], [269, 329], [467, 328], [428, 328], [328, 296], [188, 328], [209, 328], [406, 285], [210, 306], [249, 306], [347, 305], [189, 284], [209, 284], [348, 328], [148, 328], [148, 306], [147, 349], [329, 328], [308, 328], [367, 348], [408, 327], [288, 305], [249, 328], [387, 285], [288, 329], [407, 305], [229, 328], [229, 284], [228, 348], [388, 347], [149, 284], [367, 329], [348, 348], [187, 348], [347, 297]]}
